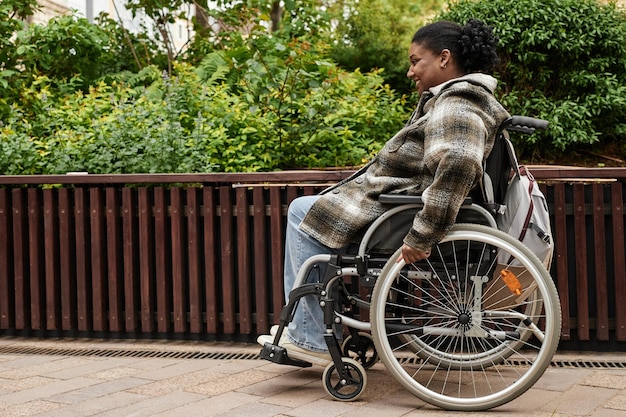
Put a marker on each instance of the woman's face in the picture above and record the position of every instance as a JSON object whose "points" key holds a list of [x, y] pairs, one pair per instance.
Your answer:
{"points": [[427, 69]]}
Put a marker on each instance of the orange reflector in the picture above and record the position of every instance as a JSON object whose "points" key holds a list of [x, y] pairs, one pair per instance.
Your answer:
{"points": [[511, 281]]}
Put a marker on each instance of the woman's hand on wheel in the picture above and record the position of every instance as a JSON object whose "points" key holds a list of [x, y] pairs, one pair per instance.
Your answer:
{"points": [[410, 254]]}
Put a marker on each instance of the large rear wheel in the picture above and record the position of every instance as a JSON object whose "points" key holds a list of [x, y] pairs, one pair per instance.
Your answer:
{"points": [[462, 331]]}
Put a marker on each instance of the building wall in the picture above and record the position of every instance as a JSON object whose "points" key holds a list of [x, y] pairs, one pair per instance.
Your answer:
{"points": [[48, 9], [180, 31], [87, 8]]}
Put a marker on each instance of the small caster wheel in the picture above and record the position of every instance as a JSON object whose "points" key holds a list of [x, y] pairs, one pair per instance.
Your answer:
{"points": [[348, 388], [363, 349]]}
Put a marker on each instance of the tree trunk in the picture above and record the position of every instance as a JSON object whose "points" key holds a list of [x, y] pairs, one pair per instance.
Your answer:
{"points": [[201, 15], [276, 14]]}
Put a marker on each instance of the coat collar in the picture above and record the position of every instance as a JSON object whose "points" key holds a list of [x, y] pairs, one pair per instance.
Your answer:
{"points": [[486, 81]]}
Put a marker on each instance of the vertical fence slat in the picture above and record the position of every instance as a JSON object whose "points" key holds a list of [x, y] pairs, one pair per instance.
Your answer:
{"points": [[228, 271], [277, 242], [52, 288], [292, 193], [98, 263], [193, 253], [260, 281], [66, 262], [243, 262], [6, 286], [163, 285], [210, 257], [146, 260], [560, 248], [619, 259], [309, 190], [179, 277], [131, 308], [114, 262], [20, 261], [602, 306], [83, 278], [582, 287], [37, 313]]}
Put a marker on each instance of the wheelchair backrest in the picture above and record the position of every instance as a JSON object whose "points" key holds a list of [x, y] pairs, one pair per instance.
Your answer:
{"points": [[497, 170]]}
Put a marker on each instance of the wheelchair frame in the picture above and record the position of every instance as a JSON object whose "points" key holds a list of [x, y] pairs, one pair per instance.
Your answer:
{"points": [[459, 336]]}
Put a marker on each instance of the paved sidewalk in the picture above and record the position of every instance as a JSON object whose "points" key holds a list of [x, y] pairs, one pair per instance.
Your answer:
{"points": [[68, 378]]}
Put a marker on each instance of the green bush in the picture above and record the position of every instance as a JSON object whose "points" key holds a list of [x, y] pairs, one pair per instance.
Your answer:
{"points": [[301, 110], [563, 61], [261, 102], [68, 52], [80, 97], [366, 38], [184, 124], [111, 129]]}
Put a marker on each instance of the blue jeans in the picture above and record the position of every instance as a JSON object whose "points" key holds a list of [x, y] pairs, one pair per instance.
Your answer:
{"points": [[307, 327]]}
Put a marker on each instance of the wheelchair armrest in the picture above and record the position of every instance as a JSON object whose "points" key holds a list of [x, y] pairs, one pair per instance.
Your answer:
{"points": [[409, 199]]}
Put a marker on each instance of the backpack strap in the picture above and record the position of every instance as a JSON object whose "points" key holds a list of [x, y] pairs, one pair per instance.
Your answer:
{"points": [[497, 172], [514, 165], [531, 206], [502, 162]]}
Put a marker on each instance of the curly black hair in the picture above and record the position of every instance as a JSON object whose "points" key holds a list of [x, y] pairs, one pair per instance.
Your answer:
{"points": [[474, 45]]}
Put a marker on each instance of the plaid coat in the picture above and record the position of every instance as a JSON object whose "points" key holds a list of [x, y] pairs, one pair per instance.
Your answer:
{"points": [[439, 154]]}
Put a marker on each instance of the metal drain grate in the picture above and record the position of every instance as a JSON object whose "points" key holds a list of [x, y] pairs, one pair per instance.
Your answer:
{"points": [[588, 364], [563, 363], [124, 353], [559, 363], [130, 353]]}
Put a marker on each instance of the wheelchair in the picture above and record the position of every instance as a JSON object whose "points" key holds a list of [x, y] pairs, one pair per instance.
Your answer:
{"points": [[459, 330]]}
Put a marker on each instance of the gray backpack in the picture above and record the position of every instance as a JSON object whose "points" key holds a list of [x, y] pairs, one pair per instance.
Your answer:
{"points": [[524, 214], [510, 190]]}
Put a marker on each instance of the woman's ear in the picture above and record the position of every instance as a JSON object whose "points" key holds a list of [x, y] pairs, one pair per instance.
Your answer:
{"points": [[444, 57]]}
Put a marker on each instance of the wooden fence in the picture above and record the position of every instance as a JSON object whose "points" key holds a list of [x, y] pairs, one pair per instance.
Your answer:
{"points": [[200, 256]]}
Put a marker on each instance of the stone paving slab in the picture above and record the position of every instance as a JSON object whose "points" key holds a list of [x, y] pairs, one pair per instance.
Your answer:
{"points": [[72, 385]]}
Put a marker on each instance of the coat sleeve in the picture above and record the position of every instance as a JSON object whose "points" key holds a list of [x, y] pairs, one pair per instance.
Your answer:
{"points": [[454, 148]]}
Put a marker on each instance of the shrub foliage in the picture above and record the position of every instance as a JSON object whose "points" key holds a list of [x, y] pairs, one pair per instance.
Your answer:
{"points": [[262, 91], [255, 102], [563, 61]]}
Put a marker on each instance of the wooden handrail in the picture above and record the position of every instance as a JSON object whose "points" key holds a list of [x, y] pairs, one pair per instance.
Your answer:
{"points": [[541, 172]]}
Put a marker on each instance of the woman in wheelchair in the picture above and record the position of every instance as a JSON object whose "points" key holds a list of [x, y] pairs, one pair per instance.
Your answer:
{"points": [[438, 154]]}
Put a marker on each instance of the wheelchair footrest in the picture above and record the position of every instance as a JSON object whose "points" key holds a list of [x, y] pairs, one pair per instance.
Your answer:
{"points": [[278, 354]]}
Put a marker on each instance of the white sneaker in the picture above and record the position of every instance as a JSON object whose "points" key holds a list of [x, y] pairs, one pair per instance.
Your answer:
{"points": [[274, 329], [296, 352]]}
